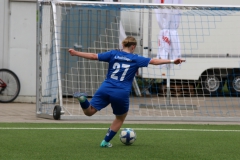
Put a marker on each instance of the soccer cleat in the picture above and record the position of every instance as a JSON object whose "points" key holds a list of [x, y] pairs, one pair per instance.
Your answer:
{"points": [[105, 144], [80, 96]]}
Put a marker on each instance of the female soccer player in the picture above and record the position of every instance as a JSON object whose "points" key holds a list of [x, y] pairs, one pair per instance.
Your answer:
{"points": [[115, 90]]}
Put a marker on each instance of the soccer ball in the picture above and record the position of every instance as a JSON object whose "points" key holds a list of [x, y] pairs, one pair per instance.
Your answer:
{"points": [[127, 136]]}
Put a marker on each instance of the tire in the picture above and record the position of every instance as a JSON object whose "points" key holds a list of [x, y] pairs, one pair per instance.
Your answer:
{"points": [[57, 112], [234, 84], [9, 86], [211, 84]]}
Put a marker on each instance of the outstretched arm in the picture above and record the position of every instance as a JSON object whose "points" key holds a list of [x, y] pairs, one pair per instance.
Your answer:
{"points": [[165, 61], [86, 55]]}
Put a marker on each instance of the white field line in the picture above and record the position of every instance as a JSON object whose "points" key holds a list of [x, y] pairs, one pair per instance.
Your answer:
{"points": [[136, 129]]}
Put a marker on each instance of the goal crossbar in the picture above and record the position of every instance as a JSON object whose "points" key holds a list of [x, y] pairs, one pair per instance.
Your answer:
{"points": [[143, 5]]}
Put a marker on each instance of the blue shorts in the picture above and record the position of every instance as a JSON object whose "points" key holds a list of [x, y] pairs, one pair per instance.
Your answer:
{"points": [[117, 97]]}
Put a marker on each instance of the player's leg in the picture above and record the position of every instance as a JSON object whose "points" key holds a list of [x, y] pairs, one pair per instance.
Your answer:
{"points": [[99, 101], [120, 106], [112, 131], [85, 105], [90, 111], [117, 123]]}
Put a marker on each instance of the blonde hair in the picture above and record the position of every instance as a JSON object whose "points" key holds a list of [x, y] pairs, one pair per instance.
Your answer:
{"points": [[127, 42]]}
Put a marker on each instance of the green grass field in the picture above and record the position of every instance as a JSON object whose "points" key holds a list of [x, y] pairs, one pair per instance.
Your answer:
{"points": [[154, 141]]}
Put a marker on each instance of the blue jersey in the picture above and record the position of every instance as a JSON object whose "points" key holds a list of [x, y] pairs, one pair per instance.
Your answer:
{"points": [[122, 68]]}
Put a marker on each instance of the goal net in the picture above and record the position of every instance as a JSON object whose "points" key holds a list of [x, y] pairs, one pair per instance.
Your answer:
{"points": [[204, 88]]}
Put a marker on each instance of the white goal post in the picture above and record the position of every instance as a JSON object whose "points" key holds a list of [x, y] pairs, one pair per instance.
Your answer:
{"points": [[204, 88]]}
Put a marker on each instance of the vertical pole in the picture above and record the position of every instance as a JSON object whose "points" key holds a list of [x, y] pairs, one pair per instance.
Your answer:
{"points": [[38, 52], [149, 32], [168, 83], [57, 46]]}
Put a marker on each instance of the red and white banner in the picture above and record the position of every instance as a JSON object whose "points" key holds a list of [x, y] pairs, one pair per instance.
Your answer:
{"points": [[168, 40]]}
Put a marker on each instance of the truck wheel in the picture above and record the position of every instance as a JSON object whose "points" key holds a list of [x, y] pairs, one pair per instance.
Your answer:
{"points": [[211, 84], [234, 84]]}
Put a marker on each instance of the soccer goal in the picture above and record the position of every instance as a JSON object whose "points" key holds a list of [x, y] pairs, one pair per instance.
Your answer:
{"points": [[204, 88]]}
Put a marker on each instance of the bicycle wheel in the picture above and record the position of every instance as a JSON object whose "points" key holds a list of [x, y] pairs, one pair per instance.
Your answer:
{"points": [[9, 86]]}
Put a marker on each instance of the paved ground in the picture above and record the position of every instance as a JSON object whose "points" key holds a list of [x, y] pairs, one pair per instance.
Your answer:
{"points": [[19, 112], [26, 112]]}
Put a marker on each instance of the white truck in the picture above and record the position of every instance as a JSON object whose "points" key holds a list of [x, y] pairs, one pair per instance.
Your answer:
{"points": [[209, 42]]}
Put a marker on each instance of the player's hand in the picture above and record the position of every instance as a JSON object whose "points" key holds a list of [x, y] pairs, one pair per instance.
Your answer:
{"points": [[179, 61], [72, 52]]}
